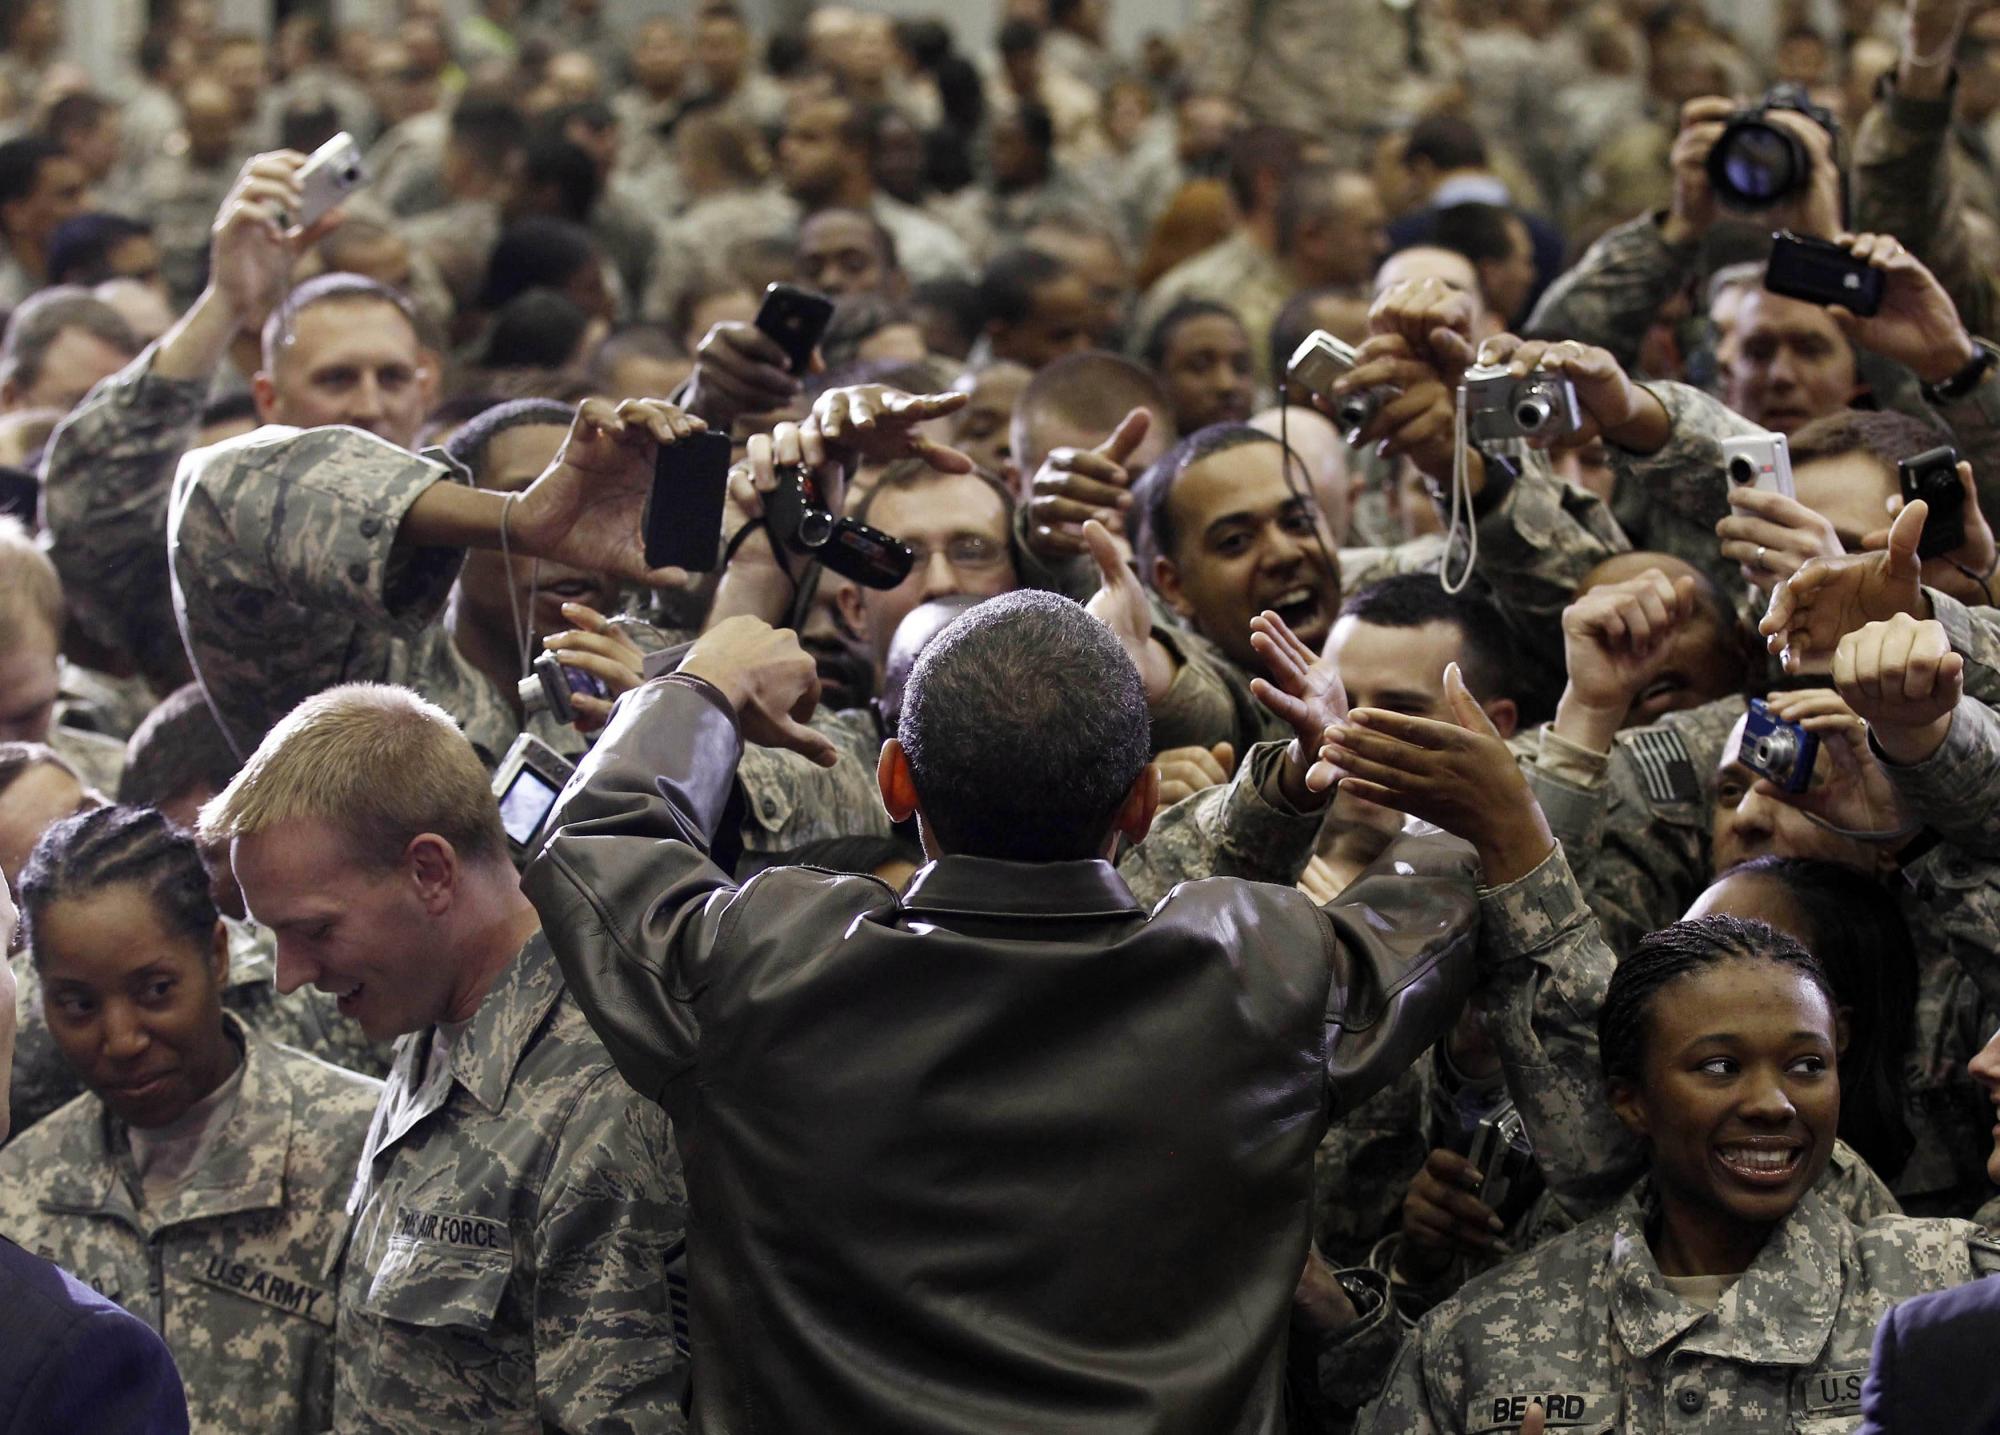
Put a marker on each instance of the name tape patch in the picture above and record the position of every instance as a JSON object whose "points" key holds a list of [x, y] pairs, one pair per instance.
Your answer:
{"points": [[294, 1297], [1562, 1408], [447, 1228]]}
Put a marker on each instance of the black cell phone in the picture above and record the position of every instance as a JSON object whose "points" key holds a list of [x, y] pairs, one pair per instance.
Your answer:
{"points": [[682, 522], [1933, 476], [1820, 272], [795, 319]]}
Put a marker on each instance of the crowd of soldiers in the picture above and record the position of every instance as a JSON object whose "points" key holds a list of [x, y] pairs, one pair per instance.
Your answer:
{"points": [[318, 518]]}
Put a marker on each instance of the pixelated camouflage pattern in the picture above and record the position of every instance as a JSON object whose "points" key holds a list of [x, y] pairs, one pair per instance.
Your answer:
{"points": [[1589, 1318], [97, 702], [1955, 790], [790, 801], [1611, 296], [1240, 828], [306, 1019], [517, 1259], [233, 1269], [288, 581], [107, 476]]}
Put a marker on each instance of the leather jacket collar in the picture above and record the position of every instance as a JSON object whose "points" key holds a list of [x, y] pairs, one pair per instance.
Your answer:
{"points": [[985, 887]]}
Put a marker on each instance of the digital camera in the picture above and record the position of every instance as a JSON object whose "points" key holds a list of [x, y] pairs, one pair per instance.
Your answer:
{"points": [[1756, 164], [1933, 476], [1759, 460], [1509, 1178], [331, 173], [1501, 405], [801, 523], [550, 684], [1819, 272], [1779, 751], [1321, 361], [526, 785]]}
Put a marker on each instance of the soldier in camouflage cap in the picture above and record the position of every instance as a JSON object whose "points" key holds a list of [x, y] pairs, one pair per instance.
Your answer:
{"points": [[516, 1259], [201, 1181]]}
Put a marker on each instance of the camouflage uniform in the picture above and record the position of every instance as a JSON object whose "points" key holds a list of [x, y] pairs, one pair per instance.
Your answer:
{"points": [[288, 581], [235, 1268], [790, 801], [98, 760], [106, 478], [306, 1019], [92, 701], [1905, 182], [1236, 273], [1636, 825], [1588, 1323], [517, 1258], [1612, 295], [1240, 828]]}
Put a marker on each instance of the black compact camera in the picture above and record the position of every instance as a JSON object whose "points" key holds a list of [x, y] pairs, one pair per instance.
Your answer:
{"points": [[1933, 476], [1780, 751], [1820, 272], [1756, 164], [1501, 405], [800, 523], [526, 785], [1509, 1178], [550, 684]]}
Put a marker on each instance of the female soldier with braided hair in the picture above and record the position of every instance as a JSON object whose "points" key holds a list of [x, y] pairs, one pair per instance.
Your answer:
{"points": [[200, 1182]]}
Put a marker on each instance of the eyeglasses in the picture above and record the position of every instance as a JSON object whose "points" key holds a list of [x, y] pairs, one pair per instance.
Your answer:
{"points": [[969, 551]]}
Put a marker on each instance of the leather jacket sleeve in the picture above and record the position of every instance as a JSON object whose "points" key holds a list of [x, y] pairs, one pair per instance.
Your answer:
{"points": [[622, 915], [1405, 932]]}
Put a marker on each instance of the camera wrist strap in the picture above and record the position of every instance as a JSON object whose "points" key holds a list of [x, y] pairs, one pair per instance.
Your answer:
{"points": [[1461, 505]]}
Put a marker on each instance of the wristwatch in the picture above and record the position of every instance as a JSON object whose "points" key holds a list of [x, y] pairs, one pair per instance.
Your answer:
{"points": [[1984, 357]]}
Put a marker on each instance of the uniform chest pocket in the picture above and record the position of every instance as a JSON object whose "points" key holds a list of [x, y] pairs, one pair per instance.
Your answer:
{"points": [[434, 1283]]}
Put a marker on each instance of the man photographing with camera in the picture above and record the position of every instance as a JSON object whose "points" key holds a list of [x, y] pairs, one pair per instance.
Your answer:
{"points": [[1006, 1151]]}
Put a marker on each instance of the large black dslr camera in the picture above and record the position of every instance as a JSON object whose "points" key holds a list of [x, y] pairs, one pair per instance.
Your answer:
{"points": [[800, 523], [1757, 164]]}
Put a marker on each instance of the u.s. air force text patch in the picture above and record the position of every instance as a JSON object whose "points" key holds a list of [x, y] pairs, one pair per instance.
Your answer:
{"points": [[474, 1232]]}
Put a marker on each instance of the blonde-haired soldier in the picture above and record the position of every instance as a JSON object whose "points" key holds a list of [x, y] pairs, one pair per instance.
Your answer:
{"points": [[519, 1220]]}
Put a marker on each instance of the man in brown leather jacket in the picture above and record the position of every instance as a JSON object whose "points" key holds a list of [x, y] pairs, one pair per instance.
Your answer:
{"points": [[1006, 1152]]}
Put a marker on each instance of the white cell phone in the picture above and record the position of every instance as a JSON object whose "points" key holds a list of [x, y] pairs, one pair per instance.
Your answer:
{"points": [[331, 173], [1759, 460]]}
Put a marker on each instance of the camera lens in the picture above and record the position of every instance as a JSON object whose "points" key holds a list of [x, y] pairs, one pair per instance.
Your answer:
{"points": [[533, 699], [1776, 752], [1355, 410], [350, 176], [1755, 164], [1742, 472], [1532, 413], [815, 527]]}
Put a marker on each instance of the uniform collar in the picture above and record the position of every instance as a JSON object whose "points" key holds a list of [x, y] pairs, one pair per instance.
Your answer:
{"points": [[245, 1171], [984, 887], [1780, 1312], [484, 1057]]}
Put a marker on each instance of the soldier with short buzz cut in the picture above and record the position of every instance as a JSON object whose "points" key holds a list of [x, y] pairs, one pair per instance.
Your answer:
{"points": [[516, 1259], [201, 1180]]}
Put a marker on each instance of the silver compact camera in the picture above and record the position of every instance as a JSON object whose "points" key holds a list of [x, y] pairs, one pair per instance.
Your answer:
{"points": [[526, 785], [1319, 362], [1759, 460], [331, 173], [1502, 405]]}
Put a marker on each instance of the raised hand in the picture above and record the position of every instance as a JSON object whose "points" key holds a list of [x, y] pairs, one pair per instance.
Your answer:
{"points": [[251, 247], [768, 678], [1433, 319], [1075, 485], [1617, 640], [1902, 678], [1611, 405], [1917, 325], [1828, 598], [1184, 771], [1850, 791], [1771, 537], [739, 369], [598, 647], [1458, 776], [584, 509], [1305, 691], [1694, 210], [1120, 604], [1417, 417], [875, 424], [1966, 572]]}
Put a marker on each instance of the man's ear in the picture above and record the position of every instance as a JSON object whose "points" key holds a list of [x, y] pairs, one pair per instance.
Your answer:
{"points": [[1167, 583], [1506, 715], [431, 864], [265, 394], [848, 606], [895, 782], [1135, 814], [1629, 1105]]}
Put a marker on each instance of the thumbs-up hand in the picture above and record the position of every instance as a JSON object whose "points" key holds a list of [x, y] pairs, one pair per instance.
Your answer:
{"points": [[1075, 485], [1828, 598]]}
